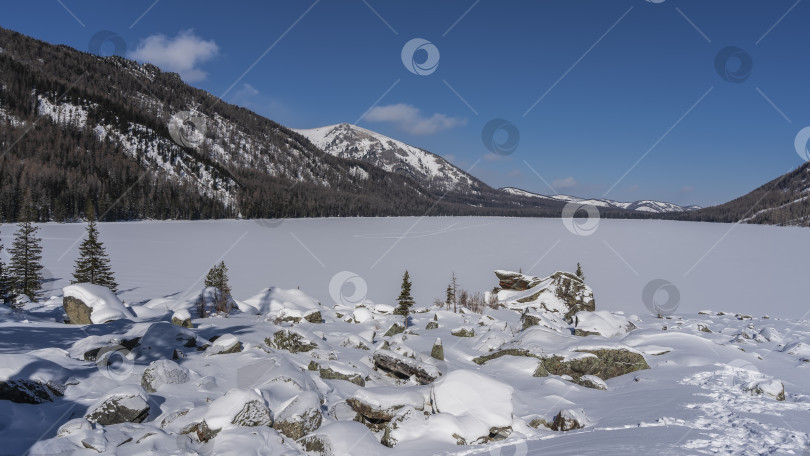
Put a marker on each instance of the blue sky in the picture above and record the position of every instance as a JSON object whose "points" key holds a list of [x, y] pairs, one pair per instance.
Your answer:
{"points": [[616, 80]]}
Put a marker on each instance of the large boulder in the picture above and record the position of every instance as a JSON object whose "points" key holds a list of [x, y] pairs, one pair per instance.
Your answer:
{"points": [[161, 340], [182, 318], [562, 293], [601, 323], [25, 391], [292, 341], [127, 404], [602, 363], [568, 420], [375, 407], [769, 387], [404, 367], [342, 438], [333, 370], [86, 304], [163, 372], [236, 408], [301, 417], [224, 344], [29, 379]]}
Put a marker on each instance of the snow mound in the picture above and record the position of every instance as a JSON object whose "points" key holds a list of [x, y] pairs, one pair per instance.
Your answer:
{"points": [[343, 438], [603, 323], [278, 302], [105, 304], [477, 400]]}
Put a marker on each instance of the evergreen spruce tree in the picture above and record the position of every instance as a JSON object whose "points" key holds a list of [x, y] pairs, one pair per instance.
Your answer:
{"points": [[452, 290], [217, 277], [93, 264], [26, 254], [405, 300], [5, 280], [580, 274]]}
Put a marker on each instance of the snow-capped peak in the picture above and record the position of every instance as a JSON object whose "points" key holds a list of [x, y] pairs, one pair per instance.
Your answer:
{"points": [[656, 207], [352, 142]]}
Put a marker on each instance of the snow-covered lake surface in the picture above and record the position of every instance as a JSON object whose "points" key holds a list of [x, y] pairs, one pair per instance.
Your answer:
{"points": [[745, 268], [730, 382]]}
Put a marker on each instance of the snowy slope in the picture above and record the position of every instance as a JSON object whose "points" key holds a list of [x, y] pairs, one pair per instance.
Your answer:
{"points": [[353, 142], [710, 388], [640, 206]]}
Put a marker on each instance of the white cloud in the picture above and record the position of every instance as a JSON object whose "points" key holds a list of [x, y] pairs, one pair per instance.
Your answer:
{"points": [[182, 54], [409, 119], [568, 182]]}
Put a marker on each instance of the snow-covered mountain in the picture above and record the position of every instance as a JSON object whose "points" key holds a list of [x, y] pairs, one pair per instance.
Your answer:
{"points": [[353, 142], [656, 207], [782, 201]]}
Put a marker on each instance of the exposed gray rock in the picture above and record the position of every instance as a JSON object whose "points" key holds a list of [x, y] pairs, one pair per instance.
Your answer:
{"points": [[403, 367], [24, 391], [163, 372], [290, 341], [77, 311], [127, 406], [301, 417]]}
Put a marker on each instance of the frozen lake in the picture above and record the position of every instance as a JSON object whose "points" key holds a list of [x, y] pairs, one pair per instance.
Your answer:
{"points": [[744, 268]]}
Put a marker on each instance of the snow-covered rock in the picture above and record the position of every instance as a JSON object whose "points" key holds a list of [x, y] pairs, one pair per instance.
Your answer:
{"points": [[570, 419], [121, 405], [161, 340], [602, 323], [383, 403], [86, 303], [562, 293], [226, 343], [769, 387], [29, 379], [163, 372], [182, 317], [342, 438], [238, 408], [300, 417], [291, 305], [405, 367]]}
